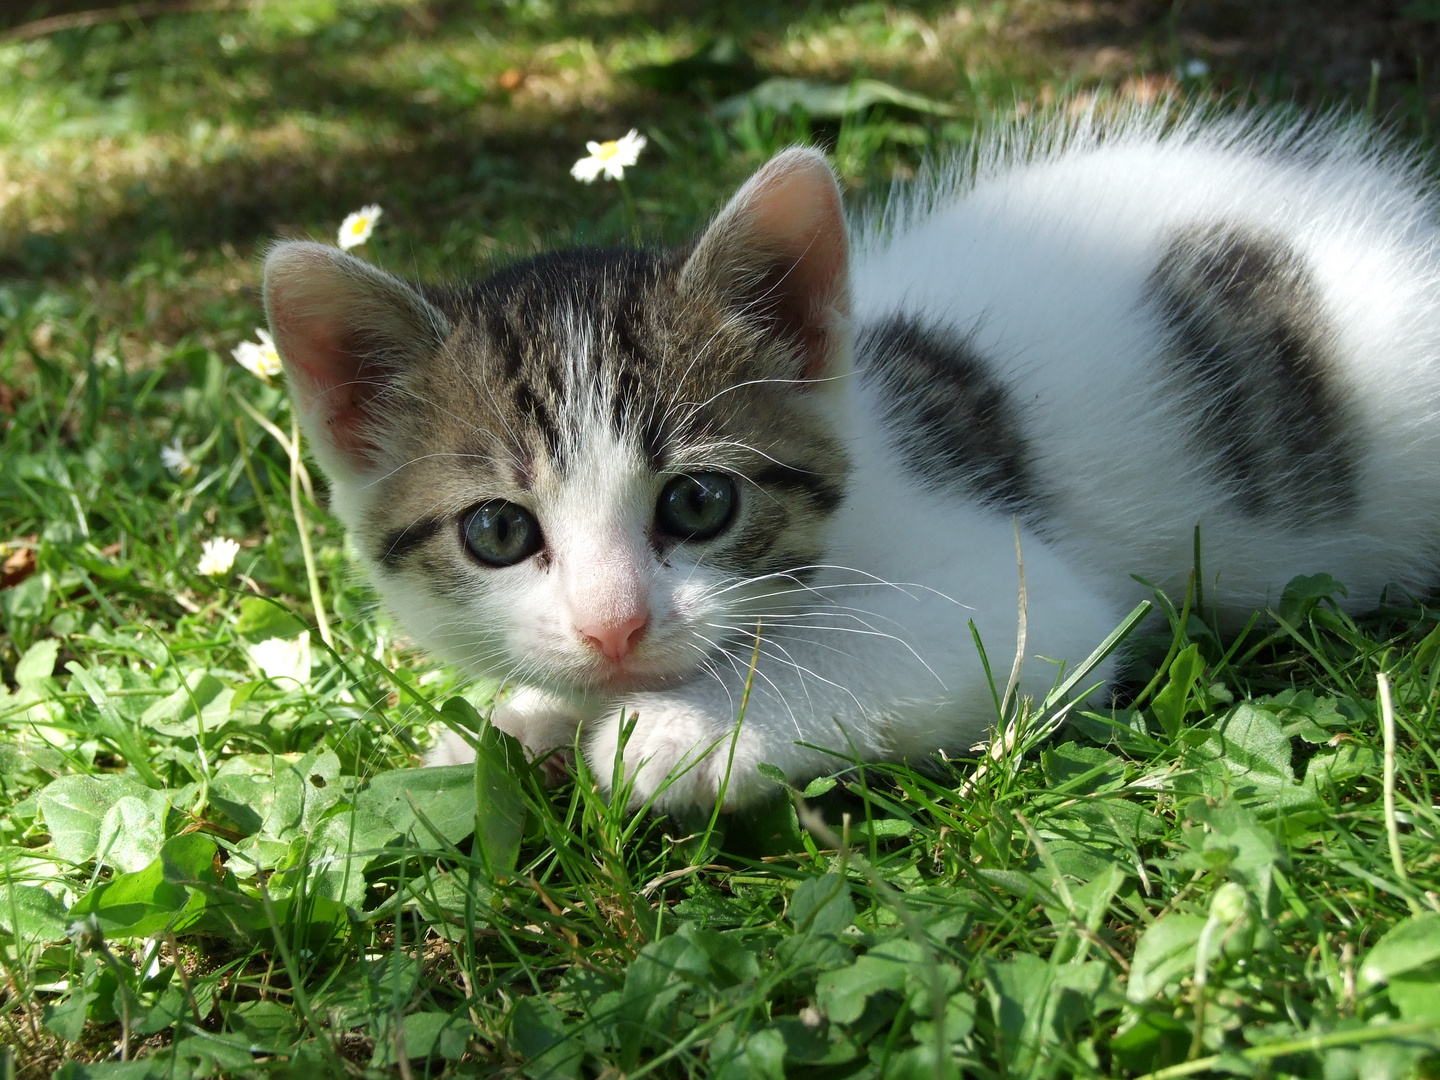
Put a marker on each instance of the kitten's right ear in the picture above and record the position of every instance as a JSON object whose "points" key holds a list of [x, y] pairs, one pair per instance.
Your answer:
{"points": [[345, 331], [779, 250]]}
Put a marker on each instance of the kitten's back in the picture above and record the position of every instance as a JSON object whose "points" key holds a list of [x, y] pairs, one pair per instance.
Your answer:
{"points": [[1227, 323]]}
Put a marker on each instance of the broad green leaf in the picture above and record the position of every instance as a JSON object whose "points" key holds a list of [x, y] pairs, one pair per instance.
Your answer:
{"points": [[35, 669], [496, 791], [1038, 1004], [1248, 755], [25, 602], [655, 981], [1164, 954], [664, 966], [537, 1031], [1092, 900], [152, 899], [1411, 944], [67, 1018], [1417, 993], [424, 1035], [822, 905], [959, 1015], [881, 829], [445, 796], [760, 1056], [261, 619], [74, 807], [277, 797], [1302, 594], [1247, 849], [818, 1045], [842, 994], [772, 772], [130, 835], [175, 714], [1390, 1060], [1154, 1040], [730, 958], [819, 786], [264, 1027], [335, 854], [31, 914], [1081, 770], [918, 1062]]}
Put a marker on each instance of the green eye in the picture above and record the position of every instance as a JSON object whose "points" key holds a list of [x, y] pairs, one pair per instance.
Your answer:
{"points": [[697, 506], [499, 533]]}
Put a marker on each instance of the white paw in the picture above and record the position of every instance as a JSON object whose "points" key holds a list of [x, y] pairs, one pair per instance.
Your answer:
{"points": [[543, 725], [682, 750], [539, 721]]}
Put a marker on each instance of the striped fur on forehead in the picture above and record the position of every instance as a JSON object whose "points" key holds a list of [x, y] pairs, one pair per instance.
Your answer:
{"points": [[548, 352]]}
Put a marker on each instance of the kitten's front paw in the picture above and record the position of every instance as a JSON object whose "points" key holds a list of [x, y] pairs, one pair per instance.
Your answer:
{"points": [[544, 725], [684, 750]]}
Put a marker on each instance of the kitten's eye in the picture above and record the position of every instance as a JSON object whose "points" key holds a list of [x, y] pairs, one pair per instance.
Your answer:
{"points": [[697, 506], [499, 533]]}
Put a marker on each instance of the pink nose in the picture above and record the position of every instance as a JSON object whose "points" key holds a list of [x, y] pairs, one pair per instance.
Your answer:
{"points": [[615, 640]]}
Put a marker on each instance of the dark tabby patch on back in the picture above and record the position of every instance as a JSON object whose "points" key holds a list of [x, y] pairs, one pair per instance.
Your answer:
{"points": [[952, 419], [1252, 348]]}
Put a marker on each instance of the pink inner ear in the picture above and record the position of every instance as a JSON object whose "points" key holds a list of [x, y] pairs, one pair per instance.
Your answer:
{"points": [[328, 377], [793, 211]]}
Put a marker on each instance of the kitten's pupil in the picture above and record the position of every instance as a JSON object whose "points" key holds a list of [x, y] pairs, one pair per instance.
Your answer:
{"points": [[500, 533], [697, 506]]}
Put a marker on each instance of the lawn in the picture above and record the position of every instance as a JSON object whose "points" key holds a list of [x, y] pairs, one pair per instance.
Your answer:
{"points": [[213, 858]]}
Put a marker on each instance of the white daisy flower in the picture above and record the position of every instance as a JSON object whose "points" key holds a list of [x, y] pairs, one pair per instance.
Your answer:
{"points": [[612, 158], [356, 228], [261, 360], [174, 458], [217, 556]]}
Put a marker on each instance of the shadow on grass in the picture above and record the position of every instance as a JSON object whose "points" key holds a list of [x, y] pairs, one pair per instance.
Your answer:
{"points": [[465, 159], [322, 131]]}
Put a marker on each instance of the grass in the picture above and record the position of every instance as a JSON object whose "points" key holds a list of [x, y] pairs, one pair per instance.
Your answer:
{"points": [[205, 871]]}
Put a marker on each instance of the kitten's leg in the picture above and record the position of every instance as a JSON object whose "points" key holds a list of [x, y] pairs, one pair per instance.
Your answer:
{"points": [[540, 722], [686, 739]]}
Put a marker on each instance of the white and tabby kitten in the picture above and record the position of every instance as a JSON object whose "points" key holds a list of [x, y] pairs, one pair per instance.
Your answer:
{"points": [[598, 473]]}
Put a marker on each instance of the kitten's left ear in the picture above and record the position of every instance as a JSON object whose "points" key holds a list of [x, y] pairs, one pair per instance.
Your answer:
{"points": [[779, 250], [347, 331]]}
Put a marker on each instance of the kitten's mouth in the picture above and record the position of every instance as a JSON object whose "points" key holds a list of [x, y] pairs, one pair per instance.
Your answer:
{"points": [[632, 676]]}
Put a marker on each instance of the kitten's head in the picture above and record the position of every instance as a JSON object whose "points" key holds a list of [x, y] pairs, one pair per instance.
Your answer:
{"points": [[594, 470]]}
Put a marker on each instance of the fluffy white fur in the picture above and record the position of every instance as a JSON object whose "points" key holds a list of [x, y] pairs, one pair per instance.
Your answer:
{"points": [[1042, 250]]}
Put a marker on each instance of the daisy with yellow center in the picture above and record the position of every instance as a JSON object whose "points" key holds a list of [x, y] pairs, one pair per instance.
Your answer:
{"points": [[356, 228], [611, 158], [259, 358], [174, 458]]}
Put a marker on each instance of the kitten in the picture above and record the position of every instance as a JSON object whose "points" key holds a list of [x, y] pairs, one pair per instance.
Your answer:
{"points": [[601, 474]]}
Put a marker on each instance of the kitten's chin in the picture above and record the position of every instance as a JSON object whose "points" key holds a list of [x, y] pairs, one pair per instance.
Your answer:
{"points": [[632, 682]]}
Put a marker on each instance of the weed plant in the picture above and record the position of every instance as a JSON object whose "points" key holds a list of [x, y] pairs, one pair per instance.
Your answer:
{"points": [[216, 858]]}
